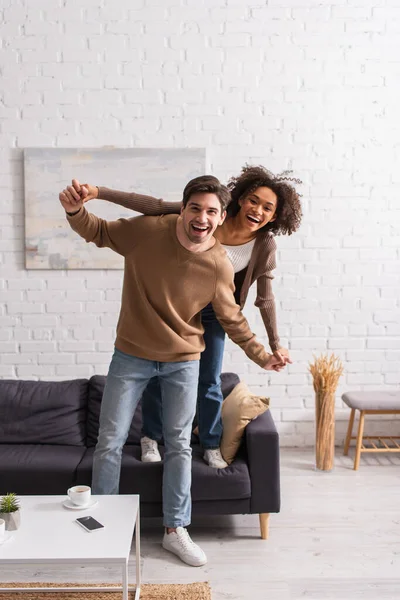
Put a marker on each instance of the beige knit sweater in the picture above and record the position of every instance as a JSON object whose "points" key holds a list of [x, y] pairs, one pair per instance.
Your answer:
{"points": [[165, 288]]}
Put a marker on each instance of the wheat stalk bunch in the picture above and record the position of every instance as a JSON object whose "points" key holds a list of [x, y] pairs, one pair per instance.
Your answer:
{"points": [[326, 372]]}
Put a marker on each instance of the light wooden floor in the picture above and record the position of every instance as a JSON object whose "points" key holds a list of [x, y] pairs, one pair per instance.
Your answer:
{"points": [[337, 538]]}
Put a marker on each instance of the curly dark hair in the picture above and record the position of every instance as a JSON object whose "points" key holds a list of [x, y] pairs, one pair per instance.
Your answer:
{"points": [[288, 210]]}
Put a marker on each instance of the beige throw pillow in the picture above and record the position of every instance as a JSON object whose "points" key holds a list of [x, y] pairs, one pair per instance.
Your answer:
{"points": [[238, 409]]}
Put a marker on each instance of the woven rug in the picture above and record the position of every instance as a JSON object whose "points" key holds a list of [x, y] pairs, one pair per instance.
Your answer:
{"points": [[165, 591]]}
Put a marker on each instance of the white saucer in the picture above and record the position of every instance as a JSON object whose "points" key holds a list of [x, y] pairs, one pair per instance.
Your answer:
{"points": [[7, 536], [68, 504]]}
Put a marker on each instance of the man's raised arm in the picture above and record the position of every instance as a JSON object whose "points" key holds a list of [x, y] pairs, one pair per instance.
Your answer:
{"points": [[117, 235]]}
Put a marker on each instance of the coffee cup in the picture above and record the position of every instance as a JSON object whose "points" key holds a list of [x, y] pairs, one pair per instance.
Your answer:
{"points": [[2, 528], [79, 495]]}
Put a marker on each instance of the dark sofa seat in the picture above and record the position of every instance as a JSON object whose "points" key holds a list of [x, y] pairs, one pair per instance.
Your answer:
{"points": [[48, 432], [38, 468], [207, 484]]}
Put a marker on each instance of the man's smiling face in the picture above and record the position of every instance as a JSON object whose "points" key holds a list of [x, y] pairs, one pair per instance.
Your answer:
{"points": [[201, 216]]}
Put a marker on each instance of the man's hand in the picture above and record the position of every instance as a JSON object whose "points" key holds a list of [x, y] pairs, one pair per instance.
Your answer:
{"points": [[274, 364], [70, 200], [75, 195], [283, 355]]}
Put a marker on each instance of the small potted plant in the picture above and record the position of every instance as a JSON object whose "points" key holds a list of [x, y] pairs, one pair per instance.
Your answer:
{"points": [[10, 511]]}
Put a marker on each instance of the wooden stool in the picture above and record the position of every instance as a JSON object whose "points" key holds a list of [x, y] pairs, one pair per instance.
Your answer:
{"points": [[371, 403]]}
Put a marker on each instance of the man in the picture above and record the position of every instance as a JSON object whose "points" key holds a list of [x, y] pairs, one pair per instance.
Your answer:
{"points": [[173, 268]]}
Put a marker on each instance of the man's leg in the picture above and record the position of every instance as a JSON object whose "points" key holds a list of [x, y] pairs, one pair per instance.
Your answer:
{"points": [[210, 397], [179, 394], [126, 380]]}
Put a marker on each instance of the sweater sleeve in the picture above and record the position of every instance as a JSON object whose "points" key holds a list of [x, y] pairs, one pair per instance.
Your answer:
{"points": [[231, 317], [147, 205], [265, 300], [120, 236]]}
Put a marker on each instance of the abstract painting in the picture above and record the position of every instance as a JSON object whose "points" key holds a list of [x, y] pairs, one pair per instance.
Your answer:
{"points": [[50, 243]]}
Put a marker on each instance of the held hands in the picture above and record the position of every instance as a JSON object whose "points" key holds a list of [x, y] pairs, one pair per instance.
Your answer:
{"points": [[278, 360], [74, 196], [273, 364], [283, 355]]}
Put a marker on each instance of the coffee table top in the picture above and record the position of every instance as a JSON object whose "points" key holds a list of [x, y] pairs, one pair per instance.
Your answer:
{"points": [[48, 533]]}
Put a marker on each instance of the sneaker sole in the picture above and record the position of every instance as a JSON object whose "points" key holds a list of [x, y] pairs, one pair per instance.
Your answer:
{"points": [[191, 564], [146, 460]]}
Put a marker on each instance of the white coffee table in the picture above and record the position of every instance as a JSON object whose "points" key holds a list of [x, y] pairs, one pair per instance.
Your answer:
{"points": [[48, 535]]}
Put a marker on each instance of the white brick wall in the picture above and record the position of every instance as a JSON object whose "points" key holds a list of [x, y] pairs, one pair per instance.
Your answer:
{"points": [[290, 84]]}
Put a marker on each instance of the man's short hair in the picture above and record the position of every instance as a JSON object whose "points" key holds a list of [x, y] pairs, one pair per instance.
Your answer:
{"points": [[207, 184]]}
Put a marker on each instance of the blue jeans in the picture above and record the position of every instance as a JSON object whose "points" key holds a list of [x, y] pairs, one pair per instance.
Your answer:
{"points": [[127, 378], [209, 395]]}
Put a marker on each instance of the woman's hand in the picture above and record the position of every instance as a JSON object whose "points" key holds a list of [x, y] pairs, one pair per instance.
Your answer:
{"points": [[282, 354]]}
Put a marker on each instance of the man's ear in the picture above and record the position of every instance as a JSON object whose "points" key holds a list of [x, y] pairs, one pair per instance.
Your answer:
{"points": [[182, 209], [223, 217]]}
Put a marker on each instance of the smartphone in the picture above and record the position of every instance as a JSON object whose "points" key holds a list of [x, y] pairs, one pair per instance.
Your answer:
{"points": [[89, 523]]}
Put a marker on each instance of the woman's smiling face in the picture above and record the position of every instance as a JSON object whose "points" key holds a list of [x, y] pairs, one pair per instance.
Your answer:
{"points": [[258, 208]]}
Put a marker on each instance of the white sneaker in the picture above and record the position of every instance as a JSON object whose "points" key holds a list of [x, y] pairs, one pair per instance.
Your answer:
{"points": [[214, 459], [150, 451], [181, 544]]}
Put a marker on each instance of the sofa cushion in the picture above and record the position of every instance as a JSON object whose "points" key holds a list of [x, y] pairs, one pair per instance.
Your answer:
{"points": [[231, 483], [43, 412], [38, 469], [145, 479], [228, 382], [96, 388], [238, 409]]}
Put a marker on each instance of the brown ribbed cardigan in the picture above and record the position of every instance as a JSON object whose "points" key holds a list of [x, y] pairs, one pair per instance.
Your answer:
{"points": [[261, 265]]}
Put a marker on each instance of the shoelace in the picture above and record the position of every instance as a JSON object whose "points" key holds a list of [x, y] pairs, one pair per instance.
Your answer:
{"points": [[216, 453], [185, 539], [149, 447]]}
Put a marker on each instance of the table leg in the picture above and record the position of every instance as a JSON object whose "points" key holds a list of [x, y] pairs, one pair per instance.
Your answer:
{"points": [[125, 581], [137, 546]]}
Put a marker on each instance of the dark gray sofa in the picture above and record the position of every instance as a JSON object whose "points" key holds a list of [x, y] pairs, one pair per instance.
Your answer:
{"points": [[48, 431]]}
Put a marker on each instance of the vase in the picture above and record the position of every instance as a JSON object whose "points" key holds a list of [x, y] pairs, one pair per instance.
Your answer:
{"points": [[325, 431], [12, 520]]}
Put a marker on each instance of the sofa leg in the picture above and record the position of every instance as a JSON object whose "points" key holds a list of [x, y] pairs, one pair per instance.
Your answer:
{"points": [[264, 522]]}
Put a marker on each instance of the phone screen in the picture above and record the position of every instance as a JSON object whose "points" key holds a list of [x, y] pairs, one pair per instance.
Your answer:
{"points": [[89, 523]]}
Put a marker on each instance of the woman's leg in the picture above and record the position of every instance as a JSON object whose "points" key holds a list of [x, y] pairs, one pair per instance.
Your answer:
{"points": [[209, 398], [152, 411]]}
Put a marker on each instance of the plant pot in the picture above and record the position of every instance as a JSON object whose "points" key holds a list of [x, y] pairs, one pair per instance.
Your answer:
{"points": [[12, 520]]}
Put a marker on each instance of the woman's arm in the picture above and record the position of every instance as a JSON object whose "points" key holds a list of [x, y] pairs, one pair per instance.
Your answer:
{"points": [[147, 205], [265, 301]]}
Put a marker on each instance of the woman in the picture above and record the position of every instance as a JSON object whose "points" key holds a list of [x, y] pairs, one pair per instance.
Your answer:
{"points": [[262, 206]]}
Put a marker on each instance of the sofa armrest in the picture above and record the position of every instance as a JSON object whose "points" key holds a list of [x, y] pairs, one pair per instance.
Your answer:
{"points": [[262, 446]]}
